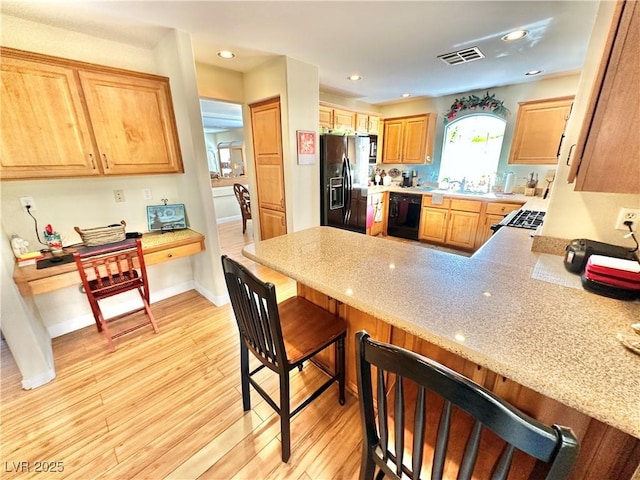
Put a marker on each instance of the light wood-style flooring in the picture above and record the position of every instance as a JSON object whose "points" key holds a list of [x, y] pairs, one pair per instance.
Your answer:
{"points": [[168, 405]]}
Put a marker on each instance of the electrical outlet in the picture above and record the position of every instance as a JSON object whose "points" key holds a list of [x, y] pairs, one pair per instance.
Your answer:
{"points": [[24, 201], [628, 215], [118, 195], [146, 193]]}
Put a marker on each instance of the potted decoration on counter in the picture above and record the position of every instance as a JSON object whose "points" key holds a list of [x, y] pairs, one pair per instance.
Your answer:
{"points": [[54, 242]]}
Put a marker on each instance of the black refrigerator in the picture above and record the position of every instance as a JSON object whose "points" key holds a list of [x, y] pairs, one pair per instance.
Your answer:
{"points": [[344, 177]]}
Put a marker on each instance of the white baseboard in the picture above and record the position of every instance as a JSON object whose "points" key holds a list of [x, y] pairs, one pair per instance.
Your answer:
{"points": [[62, 328], [229, 219], [217, 300], [38, 380]]}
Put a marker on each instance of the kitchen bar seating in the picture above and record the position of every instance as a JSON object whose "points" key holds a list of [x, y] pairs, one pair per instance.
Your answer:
{"points": [[467, 411], [282, 337], [109, 270]]}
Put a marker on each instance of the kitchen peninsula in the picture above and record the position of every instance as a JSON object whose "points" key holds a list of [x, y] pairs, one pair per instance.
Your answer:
{"points": [[548, 348]]}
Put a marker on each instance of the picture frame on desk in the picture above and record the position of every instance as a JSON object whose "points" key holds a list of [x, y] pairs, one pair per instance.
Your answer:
{"points": [[163, 218]]}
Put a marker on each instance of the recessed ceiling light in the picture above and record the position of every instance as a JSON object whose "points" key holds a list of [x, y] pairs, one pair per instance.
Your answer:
{"points": [[354, 77], [405, 95], [226, 54], [533, 72], [515, 35]]}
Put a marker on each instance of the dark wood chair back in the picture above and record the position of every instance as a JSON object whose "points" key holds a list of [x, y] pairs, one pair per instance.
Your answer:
{"points": [[109, 270], [256, 311], [444, 400], [244, 200], [282, 336]]}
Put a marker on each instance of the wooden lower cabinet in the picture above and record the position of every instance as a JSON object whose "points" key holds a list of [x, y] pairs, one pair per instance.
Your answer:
{"points": [[433, 224], [606, 453], [462, 228], [453, 222], [494, 213]]}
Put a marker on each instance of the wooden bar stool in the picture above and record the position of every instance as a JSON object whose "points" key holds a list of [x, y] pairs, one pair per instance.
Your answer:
{"points": [[109, 270], [447, 406], [282, 336]]}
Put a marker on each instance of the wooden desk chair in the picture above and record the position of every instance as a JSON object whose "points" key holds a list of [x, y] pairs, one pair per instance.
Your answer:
{"points": [[109, 270], [281, 336], [242, 195], [499, 432]]}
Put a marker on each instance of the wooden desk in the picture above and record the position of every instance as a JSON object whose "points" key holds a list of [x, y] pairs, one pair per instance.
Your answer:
{"points": [[157, 247]]}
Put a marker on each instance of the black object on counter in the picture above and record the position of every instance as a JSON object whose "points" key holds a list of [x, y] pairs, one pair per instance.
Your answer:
{"points": [[54, 261], [579, 250]]}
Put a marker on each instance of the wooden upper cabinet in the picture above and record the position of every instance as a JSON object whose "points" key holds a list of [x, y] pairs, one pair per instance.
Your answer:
{"points": [[44, 131], [367, 123], [409, 139], [539, 130], [607, 154], [133, 123], [62, 118], [326, 116], [344, 120]]}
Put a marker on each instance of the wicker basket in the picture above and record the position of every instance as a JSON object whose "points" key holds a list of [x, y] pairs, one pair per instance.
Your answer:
{"points": [[102, 235]]}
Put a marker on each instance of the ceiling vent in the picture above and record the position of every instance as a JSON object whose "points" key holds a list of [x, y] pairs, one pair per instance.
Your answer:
{"points": [[462, 56]]}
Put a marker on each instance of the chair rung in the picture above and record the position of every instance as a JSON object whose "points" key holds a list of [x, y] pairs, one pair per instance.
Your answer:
{"points": [[122, 315], [131, 329]]}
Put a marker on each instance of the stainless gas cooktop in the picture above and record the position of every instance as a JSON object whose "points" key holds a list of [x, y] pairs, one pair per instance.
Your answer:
{"points": [[530, 219]]}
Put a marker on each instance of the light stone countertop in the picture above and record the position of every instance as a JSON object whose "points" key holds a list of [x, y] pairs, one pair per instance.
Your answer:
{"points": [[556, 340]]}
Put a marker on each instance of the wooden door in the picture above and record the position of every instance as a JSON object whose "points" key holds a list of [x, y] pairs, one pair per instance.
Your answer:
{"points": [[44, 131], [267, 150], [539, 129], [393, 133], [415, 140], [133, 122]]}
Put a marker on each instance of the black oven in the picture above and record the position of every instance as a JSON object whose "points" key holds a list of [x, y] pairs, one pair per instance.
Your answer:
{"points": [[404, 215]]}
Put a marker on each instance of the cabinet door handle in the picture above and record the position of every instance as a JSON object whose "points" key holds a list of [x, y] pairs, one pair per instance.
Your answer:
{"points": [[560, 145], [93, 163], [106, 161], [569, 156]]}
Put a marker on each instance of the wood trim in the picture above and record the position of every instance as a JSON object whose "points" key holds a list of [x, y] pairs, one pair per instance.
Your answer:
{"points": [[49, 59]]}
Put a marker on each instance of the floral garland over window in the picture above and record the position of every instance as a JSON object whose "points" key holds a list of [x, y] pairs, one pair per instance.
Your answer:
{"points": [[473, 102]]}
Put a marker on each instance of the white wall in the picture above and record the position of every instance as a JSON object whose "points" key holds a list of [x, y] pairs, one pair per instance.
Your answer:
{"points": [[89, 202], [296, 83]]}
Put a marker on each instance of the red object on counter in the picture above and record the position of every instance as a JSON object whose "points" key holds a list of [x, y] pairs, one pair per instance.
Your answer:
{"points": [[48, 229]]}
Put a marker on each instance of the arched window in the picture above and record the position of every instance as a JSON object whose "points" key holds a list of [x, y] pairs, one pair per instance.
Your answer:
{"points": [[471, 151]]}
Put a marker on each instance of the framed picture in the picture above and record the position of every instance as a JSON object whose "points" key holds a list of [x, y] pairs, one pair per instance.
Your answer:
{"points": [[166, 217], [306, 147]]}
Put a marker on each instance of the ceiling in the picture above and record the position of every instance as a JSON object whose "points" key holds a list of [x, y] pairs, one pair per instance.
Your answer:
{"points": [[394, 45]]}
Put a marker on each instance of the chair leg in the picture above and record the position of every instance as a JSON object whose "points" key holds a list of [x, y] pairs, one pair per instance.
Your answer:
{"points": [[244, 376], [147, 309], [105, 331], [244, 224], [339, 362], [285, 416]]}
